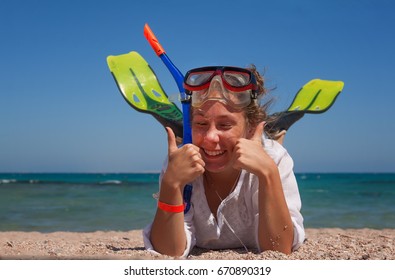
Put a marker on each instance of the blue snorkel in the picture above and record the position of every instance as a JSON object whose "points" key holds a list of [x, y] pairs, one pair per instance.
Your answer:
{"points": [[185, 100]]}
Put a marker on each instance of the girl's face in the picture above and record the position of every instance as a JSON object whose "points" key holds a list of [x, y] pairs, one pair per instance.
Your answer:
{"points": [[215, 129]]}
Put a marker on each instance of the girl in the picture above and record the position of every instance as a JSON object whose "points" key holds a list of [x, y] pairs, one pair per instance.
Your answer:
{"points": [[244, 190]]}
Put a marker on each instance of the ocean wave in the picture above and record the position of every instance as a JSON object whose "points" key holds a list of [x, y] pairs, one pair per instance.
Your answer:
{"points": [[7, 181], [34, 182], [15, 181], [65, 179], [110, 182]]}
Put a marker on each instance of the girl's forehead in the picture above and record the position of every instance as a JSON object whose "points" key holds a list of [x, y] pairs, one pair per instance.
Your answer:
{"points": [[215, 108]]}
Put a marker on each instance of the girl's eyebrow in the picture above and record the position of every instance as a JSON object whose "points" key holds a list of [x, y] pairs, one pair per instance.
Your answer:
{"points": [[198, 112]]}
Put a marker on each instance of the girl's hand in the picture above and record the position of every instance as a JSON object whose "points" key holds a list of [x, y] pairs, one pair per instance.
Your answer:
{"points": [[185, 163], [249, 154]]}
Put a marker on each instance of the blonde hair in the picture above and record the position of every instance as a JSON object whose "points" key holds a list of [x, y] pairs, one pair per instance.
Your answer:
{"points": [[256, 111]]}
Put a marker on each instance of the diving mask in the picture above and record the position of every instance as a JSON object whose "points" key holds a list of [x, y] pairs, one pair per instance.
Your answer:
{"points": [[231, 85]]}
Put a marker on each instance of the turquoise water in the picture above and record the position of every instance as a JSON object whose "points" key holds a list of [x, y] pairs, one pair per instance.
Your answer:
{"points": [[90, 202]]}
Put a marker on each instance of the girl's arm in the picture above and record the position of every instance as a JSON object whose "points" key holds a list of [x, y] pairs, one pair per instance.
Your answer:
{"points": [[275, 229], [184, 165]]}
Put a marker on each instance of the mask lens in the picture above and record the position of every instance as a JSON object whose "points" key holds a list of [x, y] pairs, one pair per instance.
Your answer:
{"points": [[199, 78], [237, 79], [239, 99], [199, 97]]}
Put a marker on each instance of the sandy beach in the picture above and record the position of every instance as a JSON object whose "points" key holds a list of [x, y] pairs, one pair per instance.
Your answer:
{"points": [[321, 244]]}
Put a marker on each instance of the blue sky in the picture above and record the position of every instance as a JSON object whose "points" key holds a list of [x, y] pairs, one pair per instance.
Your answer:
{"points": [[61, 110]]}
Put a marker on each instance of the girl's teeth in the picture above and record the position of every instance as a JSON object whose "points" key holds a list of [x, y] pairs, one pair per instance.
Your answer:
{"points": [[214, 153]]}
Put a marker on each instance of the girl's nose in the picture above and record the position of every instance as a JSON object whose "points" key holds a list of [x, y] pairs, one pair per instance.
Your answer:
{"points": [[212, 134]]}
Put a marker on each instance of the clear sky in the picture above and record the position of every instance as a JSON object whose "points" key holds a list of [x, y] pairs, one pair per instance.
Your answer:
{"points": [[60, 110]]}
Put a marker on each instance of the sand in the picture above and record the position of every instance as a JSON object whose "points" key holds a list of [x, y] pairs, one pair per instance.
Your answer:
{"points": [[321, 244]]}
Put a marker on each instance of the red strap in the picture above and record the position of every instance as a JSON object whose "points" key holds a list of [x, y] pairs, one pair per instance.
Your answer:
{"points": [[171, 208]]}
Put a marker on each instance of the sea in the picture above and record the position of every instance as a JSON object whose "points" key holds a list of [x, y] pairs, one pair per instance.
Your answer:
{"points": [[79, 202]]}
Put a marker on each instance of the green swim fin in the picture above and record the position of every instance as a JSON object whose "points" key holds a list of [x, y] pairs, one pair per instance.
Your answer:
{"points": [[139, 86], [317, 96]]}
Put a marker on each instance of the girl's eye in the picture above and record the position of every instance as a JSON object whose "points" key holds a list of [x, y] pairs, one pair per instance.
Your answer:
{"points": [[225, 126], [200, 123]]}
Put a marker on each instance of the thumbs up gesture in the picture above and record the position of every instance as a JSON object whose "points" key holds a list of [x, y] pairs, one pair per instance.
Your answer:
{"points": [[185, 164], [249, 154]]}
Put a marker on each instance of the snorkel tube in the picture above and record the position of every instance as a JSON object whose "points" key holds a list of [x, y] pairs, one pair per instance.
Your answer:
{"points": [[185, 101]]}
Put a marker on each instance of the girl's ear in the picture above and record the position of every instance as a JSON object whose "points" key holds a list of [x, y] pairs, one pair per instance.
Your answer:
{"points": [[250, 130]]}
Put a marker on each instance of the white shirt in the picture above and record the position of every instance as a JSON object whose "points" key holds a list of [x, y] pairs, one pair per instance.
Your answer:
{"points": [[237, 216]]}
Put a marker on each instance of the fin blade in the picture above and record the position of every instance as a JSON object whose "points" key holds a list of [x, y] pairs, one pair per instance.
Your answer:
{"points": [[140, 87], [326, 97], [316, 96]]}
